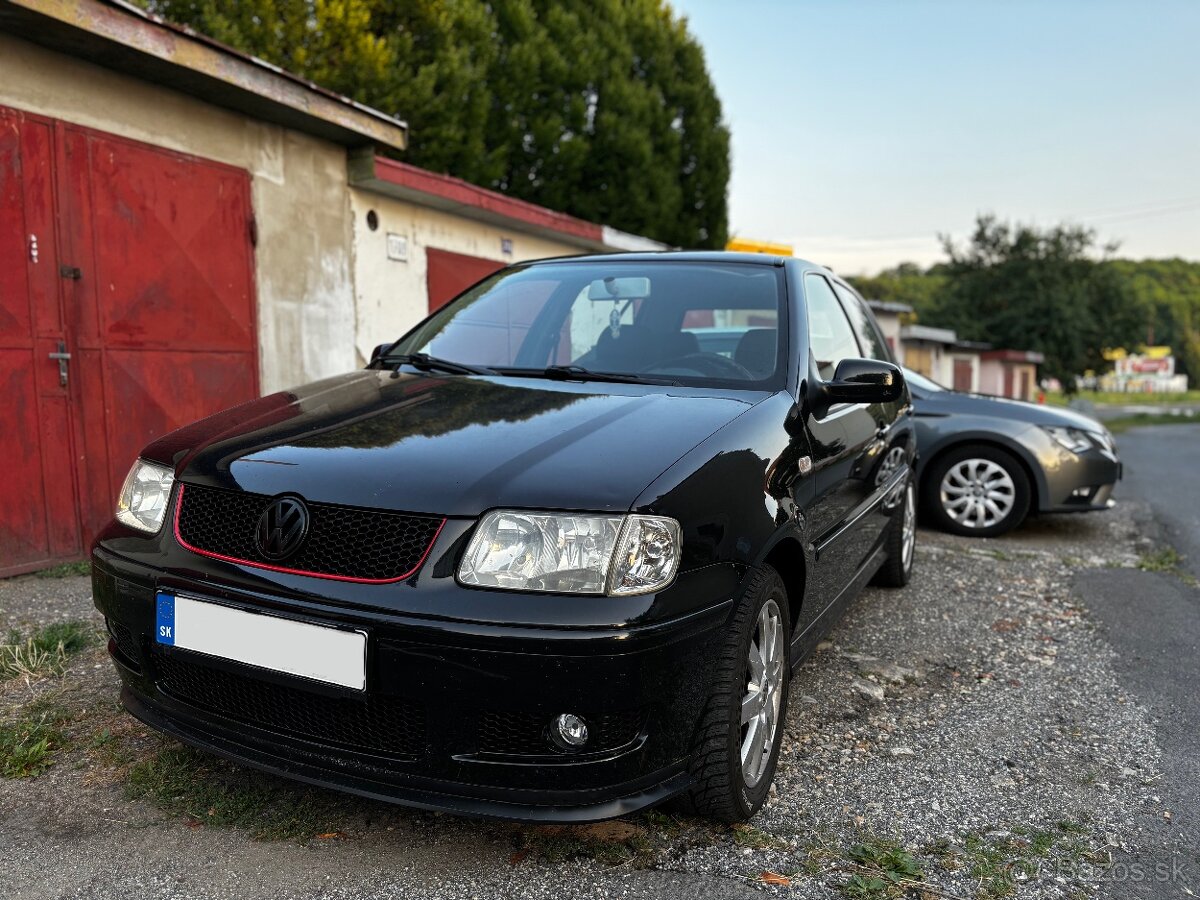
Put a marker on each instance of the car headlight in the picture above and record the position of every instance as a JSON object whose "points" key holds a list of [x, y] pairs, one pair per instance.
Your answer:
{"points": [[144, 496], [572, 554], [1072, 438]]}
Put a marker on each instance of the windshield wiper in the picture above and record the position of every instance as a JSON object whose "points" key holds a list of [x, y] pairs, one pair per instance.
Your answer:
{"points": [[427, 363], [579, 373]]}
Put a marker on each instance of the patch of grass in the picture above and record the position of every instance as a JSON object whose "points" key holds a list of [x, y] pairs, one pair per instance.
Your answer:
{"points": [[66, 570], [28, 744], [1113, 398], [756, 839], [998, 863], [44, 652], [186, 782], [991, 865], [1166, 559], [885, 870], [1123, 423]]}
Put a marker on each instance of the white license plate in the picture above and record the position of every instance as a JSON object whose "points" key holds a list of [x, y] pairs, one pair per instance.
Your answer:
{"points": [[319, 652]]}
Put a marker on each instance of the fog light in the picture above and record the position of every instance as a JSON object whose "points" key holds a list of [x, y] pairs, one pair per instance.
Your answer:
{"points": [[569, 731]]}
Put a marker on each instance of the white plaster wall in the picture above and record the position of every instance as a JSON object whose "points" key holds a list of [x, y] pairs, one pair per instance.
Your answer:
{"points": [[889, 324], [303, 272], [392, 296]]}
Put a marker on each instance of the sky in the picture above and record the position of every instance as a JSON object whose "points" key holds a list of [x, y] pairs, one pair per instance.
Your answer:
{"points": [[863, 129]]}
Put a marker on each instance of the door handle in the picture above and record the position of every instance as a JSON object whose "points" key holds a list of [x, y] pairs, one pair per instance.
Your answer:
{"points": [[63, 358]]}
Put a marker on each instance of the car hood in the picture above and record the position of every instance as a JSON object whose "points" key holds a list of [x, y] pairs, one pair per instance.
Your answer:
{"points": [[450, 445], [946, 403]]}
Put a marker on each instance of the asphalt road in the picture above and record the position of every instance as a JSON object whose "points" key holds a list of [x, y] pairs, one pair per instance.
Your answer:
{"points": [[1162, 468], [1152, 621]]}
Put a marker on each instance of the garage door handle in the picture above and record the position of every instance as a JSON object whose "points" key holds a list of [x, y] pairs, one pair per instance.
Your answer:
{"points": [[63, 358]]}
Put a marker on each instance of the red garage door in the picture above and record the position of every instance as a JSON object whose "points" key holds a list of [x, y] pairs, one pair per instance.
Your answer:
{"points": [[449, 274], [138, 262]]}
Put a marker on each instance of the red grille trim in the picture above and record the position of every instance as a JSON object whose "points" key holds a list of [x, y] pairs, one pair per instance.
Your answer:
{"points": [[287, 571]]}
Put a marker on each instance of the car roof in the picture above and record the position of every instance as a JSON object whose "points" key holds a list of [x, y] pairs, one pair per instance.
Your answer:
{"points": [[715, 256]]}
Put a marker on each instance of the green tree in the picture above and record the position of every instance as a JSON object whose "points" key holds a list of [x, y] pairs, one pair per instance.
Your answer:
{"points": [[599, 108], [905, 283], [1168, 292], [1018, 286]]}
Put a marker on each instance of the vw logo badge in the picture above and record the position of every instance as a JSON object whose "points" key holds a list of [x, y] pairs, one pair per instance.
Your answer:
{"points": [[282, 528]]}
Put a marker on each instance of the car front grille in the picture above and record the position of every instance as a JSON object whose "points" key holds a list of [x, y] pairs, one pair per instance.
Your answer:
{"points": [[343, 542], [526, 734], [378, 724]]}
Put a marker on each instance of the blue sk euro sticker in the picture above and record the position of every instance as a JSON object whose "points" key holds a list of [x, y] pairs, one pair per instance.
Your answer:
{"points": [[164, 633]]}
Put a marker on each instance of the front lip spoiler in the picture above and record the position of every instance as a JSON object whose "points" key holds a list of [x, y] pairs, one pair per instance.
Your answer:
{"points": [[524, 809]]}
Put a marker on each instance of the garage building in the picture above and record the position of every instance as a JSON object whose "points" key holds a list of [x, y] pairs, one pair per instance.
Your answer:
{"points": [[182, 228]]}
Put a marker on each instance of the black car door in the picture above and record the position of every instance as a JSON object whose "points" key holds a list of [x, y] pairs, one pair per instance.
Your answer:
{"points": [[839, 493], [893, 448]]}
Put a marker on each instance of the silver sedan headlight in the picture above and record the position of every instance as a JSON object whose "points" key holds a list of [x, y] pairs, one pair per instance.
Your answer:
{"points": [[568, 553], [1072, 438], [144, 496]]}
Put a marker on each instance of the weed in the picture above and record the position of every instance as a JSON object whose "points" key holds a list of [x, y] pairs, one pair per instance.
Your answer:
{"points": [[44, 652], [756, 839], [66, 570], [1166, 559], [991, 866], [886, 869], [27, 744]]}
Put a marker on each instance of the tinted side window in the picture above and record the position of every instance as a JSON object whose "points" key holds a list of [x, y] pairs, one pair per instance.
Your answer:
{"points": [[829, 332], [872, 343]]}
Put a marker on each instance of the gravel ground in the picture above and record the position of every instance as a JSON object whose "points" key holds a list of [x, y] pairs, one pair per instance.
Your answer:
{"points": [[973, 719]]}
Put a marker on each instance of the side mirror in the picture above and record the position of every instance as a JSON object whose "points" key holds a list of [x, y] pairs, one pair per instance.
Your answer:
{"points": [[863, 381], [378, 351]]}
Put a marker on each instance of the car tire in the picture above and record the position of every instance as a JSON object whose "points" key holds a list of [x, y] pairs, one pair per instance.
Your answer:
{"points": [[978, 474], [901, 541], [723, 788]]}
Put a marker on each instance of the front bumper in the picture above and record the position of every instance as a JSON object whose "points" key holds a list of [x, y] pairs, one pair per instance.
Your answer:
{"points": [[1081, 483], [453, 715]]}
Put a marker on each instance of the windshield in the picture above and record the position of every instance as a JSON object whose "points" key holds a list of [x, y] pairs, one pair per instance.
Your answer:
{"points": [[695, 323], [921, 383]]}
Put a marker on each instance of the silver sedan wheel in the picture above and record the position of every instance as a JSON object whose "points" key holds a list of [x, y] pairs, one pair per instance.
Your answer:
{"points": [[889, 465], [764, 691], [908, 534], [978, 493]]}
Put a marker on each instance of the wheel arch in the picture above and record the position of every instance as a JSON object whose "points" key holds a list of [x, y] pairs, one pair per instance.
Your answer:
{"points": [[786, 555], [1033, 471]]}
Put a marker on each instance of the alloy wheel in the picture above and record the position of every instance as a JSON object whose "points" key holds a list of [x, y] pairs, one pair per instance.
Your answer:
{"points": [[764, 691], [891, 462], [977, 493], [908, 535]]}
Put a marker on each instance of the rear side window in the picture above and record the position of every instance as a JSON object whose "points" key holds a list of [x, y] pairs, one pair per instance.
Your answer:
{"points": [[829, 332], [869, 338]]}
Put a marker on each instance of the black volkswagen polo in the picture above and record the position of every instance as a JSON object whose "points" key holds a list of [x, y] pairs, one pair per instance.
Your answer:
{"points": [[545, 558]]}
